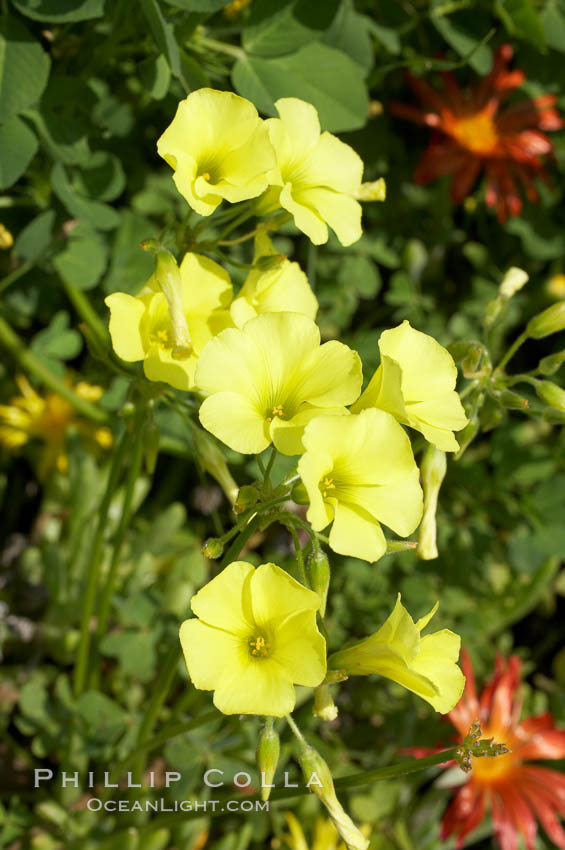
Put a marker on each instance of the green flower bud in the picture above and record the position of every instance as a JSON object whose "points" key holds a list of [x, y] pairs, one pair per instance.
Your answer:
{"points": [[493, 310], [466, 436], [247, 497], [319, 780], [268, 752], [513, 281], [213, 461], [470, 363], [300, 494], [513, 401], [551, 394], [319, 569], [554, 417], [213, 548], [324, 706], [548, 322], [151, 437], [552, 363], [491, 415], [434, 466]]}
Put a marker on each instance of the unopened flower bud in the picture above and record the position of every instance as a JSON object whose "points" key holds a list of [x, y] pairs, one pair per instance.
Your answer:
{"points": [[324, 706], [268, 751], [470, 363], [374, 191], [513, 281], [318, 779], [548, 322], [434, 466], [491, 415], [300, 494], [493, 310], [247, 497], [554, 417], [552, 363], [513, 401], [319, 569], [213, 461], [551, 394], [151, 438], [213, 548]]}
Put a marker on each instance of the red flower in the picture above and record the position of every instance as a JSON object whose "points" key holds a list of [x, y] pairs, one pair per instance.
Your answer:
{"points": [[471, 132], [518, 793]]}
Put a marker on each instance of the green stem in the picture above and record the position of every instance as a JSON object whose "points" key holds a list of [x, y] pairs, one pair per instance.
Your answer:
{"points": [[299, 557], [220, 47], [134, 469], [241, 540], [28, 361], [512, 351], [159, 695], [93, 567], [87, 313], [270, 463], [13, 276], [290, 720]]}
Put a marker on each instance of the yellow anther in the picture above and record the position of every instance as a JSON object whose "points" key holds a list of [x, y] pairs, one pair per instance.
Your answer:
{"points": [[278, 410], [327, 484], [206, 175], [161, 337], [259, 646]]}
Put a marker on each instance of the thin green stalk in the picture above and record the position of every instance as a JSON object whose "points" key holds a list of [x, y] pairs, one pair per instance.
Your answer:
{"points": [[93, 566], [290, 720], [220, 47], [133, 472], [87, 313], [158, 697], [299, 556], [235, 223], [29, 362], [512, 351], [13, 276], [241, 540], [270, 463]]}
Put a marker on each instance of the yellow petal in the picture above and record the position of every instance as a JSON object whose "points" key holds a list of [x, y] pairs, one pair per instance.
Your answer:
{"points": [[261, 688], [356, 534], [275, 595], [286, 434], [300, 649], [398, 505], [206, 286], [159, 365], [341, 212], [428, 370], [224, 601], [313, 467], [437, 660], [306, 218], [236, 421], [231, 363], [330, 375], [211, 654], [126, 314]]}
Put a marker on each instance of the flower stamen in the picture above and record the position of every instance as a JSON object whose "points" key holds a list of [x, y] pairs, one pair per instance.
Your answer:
{"points": [[327, 484], [258, 646]]}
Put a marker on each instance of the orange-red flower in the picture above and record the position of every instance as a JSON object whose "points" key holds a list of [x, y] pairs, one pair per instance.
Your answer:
{"points": [[517, 792], [471, 132]]}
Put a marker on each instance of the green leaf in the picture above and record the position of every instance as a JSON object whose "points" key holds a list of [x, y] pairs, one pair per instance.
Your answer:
{"points": [[101, 177], [129, 265], [83, 259], [24, 68], [155, 76], [462, 39], [360, 273], [198, 5], [317, 73], [520, 19], [35, 237], [164, 37], [134, 650], [542, 241], [553, 22], [97, 214], [57, 340], [277, 27], [104, 718], [18, 145], [60, 11], [350, 34]]}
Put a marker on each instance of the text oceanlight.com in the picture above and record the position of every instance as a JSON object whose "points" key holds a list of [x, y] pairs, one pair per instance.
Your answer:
{"points": [[95, 804]]}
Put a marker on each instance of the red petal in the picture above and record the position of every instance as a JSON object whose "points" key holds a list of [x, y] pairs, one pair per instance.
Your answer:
{"points": [[414, 113], [428, 95], [464, 813], [544, 745], [464, 179], [502, 704], [520, 813], [546, 814], [549, 783], [534, 724], [440, 158]]}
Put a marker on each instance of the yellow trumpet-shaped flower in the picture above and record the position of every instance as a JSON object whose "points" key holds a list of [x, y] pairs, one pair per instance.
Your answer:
{"points": [[316, 176], [256, 637], [142, 327], [219, 148], [47, 419], [284, 287], [416, 383], [359, 471], [427, 665], [270, 378]]}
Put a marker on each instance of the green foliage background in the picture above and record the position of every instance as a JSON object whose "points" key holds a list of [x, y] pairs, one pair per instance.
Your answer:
{"points": [[86, 88]]}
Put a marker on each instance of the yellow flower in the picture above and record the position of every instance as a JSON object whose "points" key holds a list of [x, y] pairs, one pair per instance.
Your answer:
{"points": [[324, 837], [219, 148], [255, 639], [284, 287], [270, 378], [316, 176], [359, 471], [141, 326], [6, 238], [416, 383], [427, 665], [47, 418]]}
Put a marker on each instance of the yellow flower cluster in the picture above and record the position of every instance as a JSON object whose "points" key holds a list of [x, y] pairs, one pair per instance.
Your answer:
{"points": [[266, 378]]}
